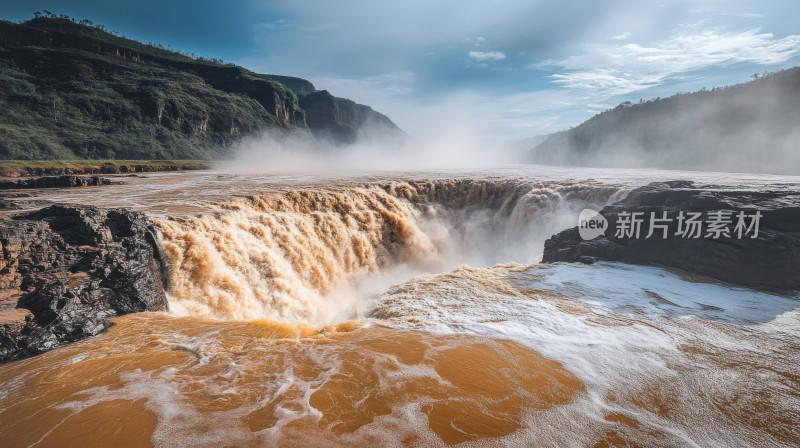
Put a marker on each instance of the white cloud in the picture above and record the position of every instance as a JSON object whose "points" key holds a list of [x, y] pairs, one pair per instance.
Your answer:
{"points": [[605, 81], [280, 23], [619, 69], [487, 55], [622, 36]]}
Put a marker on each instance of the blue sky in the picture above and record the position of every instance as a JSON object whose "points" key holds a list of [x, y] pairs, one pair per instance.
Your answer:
{"points": [[514, 68]]}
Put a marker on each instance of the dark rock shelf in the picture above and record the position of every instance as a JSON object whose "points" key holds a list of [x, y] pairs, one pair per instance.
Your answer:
{"points": [[65, 270], [56, 182], [769, 261]]}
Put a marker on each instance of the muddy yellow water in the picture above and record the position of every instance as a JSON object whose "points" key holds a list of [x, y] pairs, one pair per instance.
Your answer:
{"points": [[158, 380], [155, 378], [444, 332]]}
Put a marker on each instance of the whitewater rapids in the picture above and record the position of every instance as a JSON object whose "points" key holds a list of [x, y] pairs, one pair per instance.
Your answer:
{"points": [[303, 255], [410, 311]]}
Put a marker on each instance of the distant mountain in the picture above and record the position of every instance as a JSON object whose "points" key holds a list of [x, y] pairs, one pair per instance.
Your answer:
{"points": [[749, 127], [342, 120], [337, 119], [73, 90]]}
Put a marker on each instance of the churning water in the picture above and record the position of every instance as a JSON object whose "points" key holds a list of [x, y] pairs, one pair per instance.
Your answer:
{"points": [[409, 310]]}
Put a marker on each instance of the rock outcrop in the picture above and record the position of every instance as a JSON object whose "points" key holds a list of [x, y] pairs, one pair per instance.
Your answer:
{"points": [[342, 121], [301, 87], [66, 270], [73, 168], [770, 260], [56, 182]]}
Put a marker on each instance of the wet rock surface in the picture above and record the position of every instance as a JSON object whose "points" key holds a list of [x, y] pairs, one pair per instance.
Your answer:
{"points": [[771, 260], [56, 182], [65, 270]]}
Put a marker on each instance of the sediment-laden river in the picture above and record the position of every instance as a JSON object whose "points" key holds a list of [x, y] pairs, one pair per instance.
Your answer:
{"points": [[409, 309]]}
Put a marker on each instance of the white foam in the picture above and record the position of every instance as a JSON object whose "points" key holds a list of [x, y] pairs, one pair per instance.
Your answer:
{"points": [[617, 339]]}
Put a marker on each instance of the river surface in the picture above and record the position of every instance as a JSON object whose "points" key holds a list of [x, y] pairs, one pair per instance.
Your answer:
{"points": [[409, 309]]}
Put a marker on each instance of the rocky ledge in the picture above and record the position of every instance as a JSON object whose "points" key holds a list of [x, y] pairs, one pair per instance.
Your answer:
{"points": [[56, 182], [769, 259], [66, 270]]}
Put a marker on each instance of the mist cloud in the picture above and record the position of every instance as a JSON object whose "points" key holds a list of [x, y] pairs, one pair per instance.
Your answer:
{"points": [[446, 137]]}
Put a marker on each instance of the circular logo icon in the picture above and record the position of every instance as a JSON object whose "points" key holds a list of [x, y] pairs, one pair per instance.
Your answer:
{"points": [[591, 224]]}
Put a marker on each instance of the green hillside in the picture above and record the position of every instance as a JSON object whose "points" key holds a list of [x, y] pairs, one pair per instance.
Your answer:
{"points": [[72, 90], [748, 127]]}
